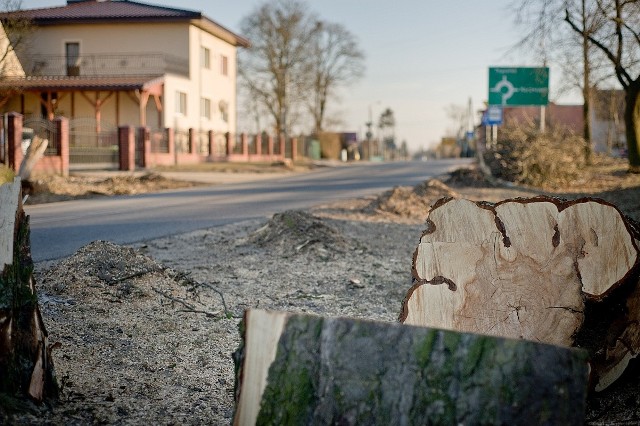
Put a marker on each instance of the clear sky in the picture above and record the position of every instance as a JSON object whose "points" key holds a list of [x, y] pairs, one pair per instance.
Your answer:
{"points": [[421, 55]]}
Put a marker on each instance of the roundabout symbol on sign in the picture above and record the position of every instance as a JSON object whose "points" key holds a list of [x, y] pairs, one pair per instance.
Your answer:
{"points": [[505, 88]]}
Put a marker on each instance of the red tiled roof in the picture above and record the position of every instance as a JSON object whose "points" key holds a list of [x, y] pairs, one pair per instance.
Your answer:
{"points": [[62, 84], [93, 10], [106, 11]]}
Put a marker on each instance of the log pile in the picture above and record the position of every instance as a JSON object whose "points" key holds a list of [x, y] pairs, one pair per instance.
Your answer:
{"points": [[541, 269], [304, 369], [25, 363]]}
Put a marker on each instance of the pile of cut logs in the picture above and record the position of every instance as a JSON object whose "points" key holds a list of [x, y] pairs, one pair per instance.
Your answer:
{"points": [[518, 309]]}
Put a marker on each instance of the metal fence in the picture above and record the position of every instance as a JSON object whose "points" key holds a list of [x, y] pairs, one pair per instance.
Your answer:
{"points": [[43, 128], [105, 65], [219, 144], [202, 143], [159, 139], [92, 144], [181, 138]]}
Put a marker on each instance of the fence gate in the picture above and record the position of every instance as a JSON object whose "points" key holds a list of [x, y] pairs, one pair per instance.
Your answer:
{"points": [[38, 126], [92, 144]]}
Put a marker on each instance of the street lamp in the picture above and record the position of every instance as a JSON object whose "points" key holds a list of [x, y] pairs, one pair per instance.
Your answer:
{"points": [[369, 124]]}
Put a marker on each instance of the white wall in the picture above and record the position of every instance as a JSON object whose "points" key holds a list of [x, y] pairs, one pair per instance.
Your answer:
{"points": [[180, 40]]}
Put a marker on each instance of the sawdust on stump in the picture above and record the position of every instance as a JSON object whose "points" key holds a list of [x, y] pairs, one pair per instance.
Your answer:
{"points": [[296, 232], [468, 177], [408, 202]]}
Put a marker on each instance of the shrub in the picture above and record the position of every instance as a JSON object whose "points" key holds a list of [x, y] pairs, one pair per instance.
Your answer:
{"points": [[6, 174], [525, 155]]}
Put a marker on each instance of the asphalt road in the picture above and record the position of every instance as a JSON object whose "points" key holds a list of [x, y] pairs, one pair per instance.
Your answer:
{"points": [[59, 229]]}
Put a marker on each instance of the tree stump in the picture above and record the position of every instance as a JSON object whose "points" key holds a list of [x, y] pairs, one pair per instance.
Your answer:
{"points": [[542, 269], [25, 363], [305, 369]]}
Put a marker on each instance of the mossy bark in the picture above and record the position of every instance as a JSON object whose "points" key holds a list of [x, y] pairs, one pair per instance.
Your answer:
{"points": [[345, 371], [27, 370]]}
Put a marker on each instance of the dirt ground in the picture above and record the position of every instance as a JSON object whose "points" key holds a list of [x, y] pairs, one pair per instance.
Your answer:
{"points": [[146, 332]]}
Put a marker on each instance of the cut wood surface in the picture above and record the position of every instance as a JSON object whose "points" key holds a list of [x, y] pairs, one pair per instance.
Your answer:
{"points": [[541, 269], [34, 153], [311, 370], [26, 369]]}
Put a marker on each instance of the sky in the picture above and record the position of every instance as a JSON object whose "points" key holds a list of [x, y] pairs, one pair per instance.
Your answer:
{"points": [[422, 56]]}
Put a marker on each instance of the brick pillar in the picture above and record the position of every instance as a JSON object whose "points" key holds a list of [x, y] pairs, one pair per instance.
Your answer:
{"points": [[144, 137], [212, 144], [171, 142], [258, 142], [245, 144], [192, 141], [14, 141], [282, 147], [127, 145], [294, 148], [62, 130], [270, 145], [229, 140]]}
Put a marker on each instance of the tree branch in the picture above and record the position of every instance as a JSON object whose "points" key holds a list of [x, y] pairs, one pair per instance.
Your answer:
{"points": [[623, 77]]}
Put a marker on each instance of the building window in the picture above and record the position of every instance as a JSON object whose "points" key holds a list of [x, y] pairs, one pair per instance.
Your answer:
{"points": [[224, 65], [205, 57], [181, 103], [205, 108], [224, 111], [72, 53]]}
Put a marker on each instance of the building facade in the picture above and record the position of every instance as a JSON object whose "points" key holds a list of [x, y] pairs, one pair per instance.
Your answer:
{"points": [[119, 63]]}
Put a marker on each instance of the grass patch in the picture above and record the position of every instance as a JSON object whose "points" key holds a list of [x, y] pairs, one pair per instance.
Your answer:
{"points": [[6, 174]]}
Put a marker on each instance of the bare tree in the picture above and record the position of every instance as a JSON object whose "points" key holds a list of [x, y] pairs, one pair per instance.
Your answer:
{"points": [[274, 68], [387, 126], [550, 40], [616, 34], [15, 30], [337, 61], [458, 116], [602, 29]]}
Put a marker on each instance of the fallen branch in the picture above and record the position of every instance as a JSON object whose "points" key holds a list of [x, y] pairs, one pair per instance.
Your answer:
{"points": [[189, 308], [186, 277], [174, 299]]}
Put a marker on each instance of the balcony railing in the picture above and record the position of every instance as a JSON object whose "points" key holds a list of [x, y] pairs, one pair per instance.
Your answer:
{"points": [[105, 65]]}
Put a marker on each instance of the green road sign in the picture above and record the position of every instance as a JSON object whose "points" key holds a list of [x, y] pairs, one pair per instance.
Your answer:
{"points": [[518, 86]]}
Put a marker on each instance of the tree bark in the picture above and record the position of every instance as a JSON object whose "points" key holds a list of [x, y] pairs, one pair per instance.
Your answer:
{"points": [[303, 369], [27, 370], [632, 124], [541, 269]]}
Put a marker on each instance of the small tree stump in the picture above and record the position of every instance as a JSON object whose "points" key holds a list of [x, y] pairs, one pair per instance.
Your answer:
{"points": [[25, 366], [309, 370], [542, 269]]}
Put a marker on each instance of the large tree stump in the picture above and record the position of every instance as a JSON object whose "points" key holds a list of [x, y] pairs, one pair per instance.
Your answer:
{"points": [[542, 269], [310, 370], [25, 366]]}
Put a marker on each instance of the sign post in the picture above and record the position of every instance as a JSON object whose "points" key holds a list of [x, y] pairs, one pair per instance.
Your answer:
{"points": [[523, 86], [518, 86]]}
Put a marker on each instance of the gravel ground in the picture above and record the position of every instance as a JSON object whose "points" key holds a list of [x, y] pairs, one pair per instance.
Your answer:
{"points": [[147, 332]]}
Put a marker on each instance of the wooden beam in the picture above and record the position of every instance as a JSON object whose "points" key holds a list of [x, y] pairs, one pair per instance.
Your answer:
{"points": [[97, 105]]}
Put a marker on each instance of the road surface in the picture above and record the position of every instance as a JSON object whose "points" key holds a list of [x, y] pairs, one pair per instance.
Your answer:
{"points": [[59, 229]]}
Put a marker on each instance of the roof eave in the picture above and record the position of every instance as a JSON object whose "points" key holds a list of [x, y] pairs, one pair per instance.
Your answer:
{"points": [[218, 30]]}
